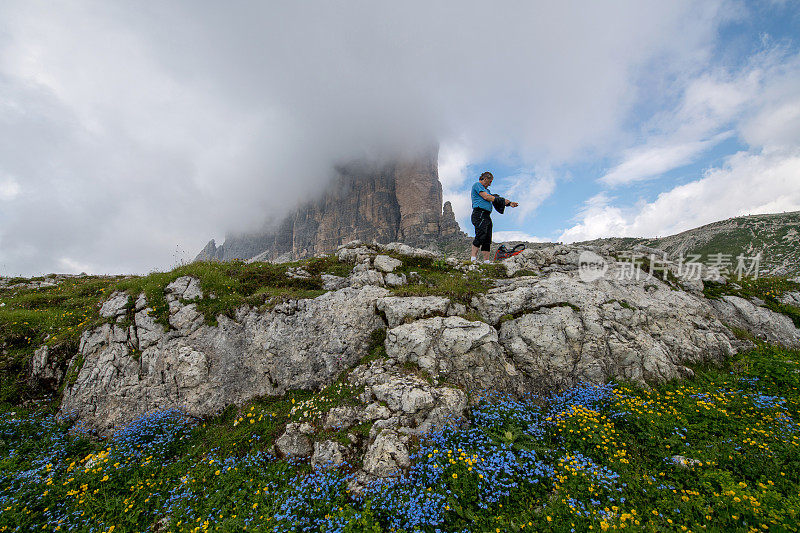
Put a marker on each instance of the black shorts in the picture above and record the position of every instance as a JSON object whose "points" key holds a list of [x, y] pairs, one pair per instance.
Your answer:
{"points": [[482, 221]]}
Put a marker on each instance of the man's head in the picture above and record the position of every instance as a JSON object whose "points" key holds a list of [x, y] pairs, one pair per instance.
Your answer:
{"points": [[486, 179]]}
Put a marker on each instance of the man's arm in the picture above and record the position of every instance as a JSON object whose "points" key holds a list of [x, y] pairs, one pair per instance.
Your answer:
{"points": [[490, 198]]}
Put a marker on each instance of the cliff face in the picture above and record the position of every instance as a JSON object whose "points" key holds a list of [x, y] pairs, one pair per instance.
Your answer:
{"points": [[398, 200]]}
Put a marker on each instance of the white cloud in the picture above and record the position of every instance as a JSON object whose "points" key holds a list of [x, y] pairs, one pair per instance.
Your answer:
{"points": [[70, 266], [529, 190], [711, 109], [9, 189], [748, 183], [649, 161], [503, 236]]}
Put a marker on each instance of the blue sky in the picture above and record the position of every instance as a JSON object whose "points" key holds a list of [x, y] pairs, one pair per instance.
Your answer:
{"points": [[674, 139], [133, 132]]}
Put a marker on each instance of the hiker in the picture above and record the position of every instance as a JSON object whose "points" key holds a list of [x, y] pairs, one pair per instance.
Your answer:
{"points": [[482, 202]]}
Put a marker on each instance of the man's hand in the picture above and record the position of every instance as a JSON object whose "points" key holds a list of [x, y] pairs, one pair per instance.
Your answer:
{"points": [[512, 204]]}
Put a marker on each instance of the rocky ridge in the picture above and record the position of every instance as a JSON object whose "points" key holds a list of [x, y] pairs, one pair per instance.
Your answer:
{"points": [[541, 328]]}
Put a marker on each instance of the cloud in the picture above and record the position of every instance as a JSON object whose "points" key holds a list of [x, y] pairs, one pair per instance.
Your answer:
{"points": [[650, 161], [756, 102], [134, 128], [9, 189], [504, 236], [759, 103], [529, 190], [748, 183]]}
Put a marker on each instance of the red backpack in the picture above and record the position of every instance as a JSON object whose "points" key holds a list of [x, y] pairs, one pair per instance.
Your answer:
{"points": [[504, 253]]}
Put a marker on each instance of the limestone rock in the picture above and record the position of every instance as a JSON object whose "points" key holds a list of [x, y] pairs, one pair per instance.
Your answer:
{"points": [[395, 280], [185, 287], [327, 453], [791, 298], [333, 283], [47, 367], [456, 350], [211, 252], [560, 258], [760, 321], [365, 278], [448, 226], [355, 252], [386, 264], [341, 418], [387, 455], [297, 273], [559, 330], [141, 302], [375, 411], [303, 344], [399, 309], [410, 251], [295, 442], [115, 305]]}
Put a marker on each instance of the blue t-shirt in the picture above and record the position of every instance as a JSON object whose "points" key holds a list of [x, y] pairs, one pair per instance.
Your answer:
{"points": [[477, 201]]}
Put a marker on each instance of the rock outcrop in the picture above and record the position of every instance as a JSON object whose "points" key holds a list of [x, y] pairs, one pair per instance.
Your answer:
{"points": [[385, 201], [534, 333], [306, 344]]}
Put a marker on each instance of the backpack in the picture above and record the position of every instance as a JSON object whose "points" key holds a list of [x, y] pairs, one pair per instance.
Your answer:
{"points": [[504, 253]]}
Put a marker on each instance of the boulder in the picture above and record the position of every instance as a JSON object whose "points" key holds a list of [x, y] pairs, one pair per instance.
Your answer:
{"points": [[762, 322], [47, 367], [395, 280], [295, 441], [185, 287], [341, 418], [387, 455], [354, 252], [399, 309], [115, 305], [327, 453], [386, 264], [456, 350], [365, 278], [790, 298], [333, 283], [404, 249]]}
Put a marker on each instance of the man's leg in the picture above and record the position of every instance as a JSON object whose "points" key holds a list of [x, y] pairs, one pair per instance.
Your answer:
{"points": [[487, 244], [476, 243]]}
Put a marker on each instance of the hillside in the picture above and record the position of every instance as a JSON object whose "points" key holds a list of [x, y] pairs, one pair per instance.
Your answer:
{"points": [[776, 236]]}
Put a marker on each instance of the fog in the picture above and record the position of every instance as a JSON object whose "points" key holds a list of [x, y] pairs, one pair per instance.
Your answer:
{"points": [[133, 132]]}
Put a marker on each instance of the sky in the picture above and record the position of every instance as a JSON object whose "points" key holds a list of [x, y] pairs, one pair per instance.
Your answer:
{"points": [[132, 132]]}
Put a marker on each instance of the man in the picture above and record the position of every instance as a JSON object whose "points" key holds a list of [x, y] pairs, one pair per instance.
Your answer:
{"points": [[482, 201]]}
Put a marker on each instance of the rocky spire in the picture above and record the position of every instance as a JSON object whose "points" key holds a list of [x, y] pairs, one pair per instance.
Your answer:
{"points": [[392, 200]]}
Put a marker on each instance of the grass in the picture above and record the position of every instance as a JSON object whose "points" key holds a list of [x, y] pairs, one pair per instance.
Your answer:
{"points": [[592, 458], [430, 277]]}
